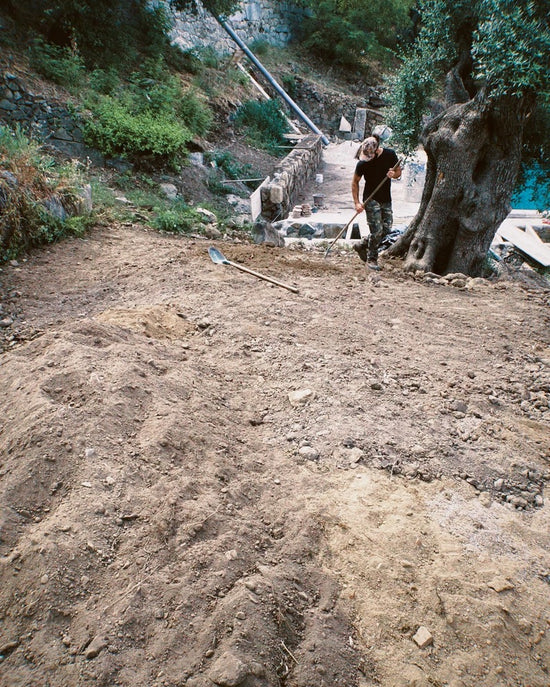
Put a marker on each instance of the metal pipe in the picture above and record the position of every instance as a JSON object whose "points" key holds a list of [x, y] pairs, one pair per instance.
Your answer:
{"points": [[272, 81]]}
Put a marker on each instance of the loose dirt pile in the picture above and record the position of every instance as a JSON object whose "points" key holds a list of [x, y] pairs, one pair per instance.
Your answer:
{"points": [[208, 480]]}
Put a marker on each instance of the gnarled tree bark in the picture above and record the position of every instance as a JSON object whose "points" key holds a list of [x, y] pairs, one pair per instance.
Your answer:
{"points": [[473, 156]]}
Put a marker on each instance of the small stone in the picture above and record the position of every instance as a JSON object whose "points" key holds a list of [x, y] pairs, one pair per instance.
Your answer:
{"points": [[498, 484], [309, 453], [300, 397], [500, 584], [228, 671], [95, 647], [423, 637]]}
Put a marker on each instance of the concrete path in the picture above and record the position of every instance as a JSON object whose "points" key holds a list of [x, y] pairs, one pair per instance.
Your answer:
{"points": [[337, 167]]}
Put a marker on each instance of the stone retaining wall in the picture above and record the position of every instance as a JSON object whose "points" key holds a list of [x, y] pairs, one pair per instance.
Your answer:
{"points": [[290, 177], [44, 119], [255, 19]]}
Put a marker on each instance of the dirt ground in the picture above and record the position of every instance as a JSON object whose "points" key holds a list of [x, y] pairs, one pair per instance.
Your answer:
{"points": [[210, 480]]}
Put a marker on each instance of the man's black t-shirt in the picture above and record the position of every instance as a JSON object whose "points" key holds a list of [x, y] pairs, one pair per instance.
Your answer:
{"points": [[374, 171]]}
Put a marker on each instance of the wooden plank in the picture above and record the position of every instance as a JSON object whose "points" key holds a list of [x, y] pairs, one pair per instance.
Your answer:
{"points": [[534, 248]]}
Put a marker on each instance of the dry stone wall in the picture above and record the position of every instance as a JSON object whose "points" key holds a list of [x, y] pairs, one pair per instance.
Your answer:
{"points": [[46, 120], [290, 178]]}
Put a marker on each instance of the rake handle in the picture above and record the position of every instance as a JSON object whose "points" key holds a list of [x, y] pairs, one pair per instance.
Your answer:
{"points": [[371, 196]]}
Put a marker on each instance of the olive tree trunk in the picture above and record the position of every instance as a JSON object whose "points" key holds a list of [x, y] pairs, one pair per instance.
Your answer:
{"points": [[473, 157]]}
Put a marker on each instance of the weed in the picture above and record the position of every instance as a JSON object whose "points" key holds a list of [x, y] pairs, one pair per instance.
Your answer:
{"points": [[39, 201], [179, 218], [263, 122]]}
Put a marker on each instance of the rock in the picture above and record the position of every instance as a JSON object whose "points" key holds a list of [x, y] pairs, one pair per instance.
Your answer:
{"points": [[209, 216], [240, 205], [264, 232], [95, 647], [228, 671], [458, 406], [500, 584], [422, 637], [55, 208], [456, 275], [212, 232], [300, 397], [169, 190], [308, 452]]}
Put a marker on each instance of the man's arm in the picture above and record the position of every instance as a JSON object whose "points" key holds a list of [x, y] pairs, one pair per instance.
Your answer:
{"points": [[394, 173], [355, 193]]}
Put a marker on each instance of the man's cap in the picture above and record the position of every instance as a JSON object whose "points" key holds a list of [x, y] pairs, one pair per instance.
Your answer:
{"points": [[368, 149]]}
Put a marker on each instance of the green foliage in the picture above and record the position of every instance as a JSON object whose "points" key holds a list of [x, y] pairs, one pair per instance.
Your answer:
{"points": [[232, 168], [179, 218], [259, 46], [264, 123], [512, 47], [196, 114], [507, 46], [60, 65], [347, 31], [115, 130], [105, 81], [32, 191]]}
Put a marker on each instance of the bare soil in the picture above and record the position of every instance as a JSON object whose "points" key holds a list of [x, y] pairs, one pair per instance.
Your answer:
{"points": [[210, 480]]}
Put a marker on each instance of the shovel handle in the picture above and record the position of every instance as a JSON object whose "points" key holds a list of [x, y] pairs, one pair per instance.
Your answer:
{"points": [[262, 276]]}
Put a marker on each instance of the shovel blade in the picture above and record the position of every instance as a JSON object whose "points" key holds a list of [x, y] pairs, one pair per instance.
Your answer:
{"points": [[217, 256]]}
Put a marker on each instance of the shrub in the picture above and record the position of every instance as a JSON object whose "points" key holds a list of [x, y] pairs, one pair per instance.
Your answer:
{"points": [[115, 130], [197, 115], [264, 123], [178, 219], [60, 65]]}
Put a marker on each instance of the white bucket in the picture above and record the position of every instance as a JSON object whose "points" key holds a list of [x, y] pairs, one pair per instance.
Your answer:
{"points": [[318, 178]]}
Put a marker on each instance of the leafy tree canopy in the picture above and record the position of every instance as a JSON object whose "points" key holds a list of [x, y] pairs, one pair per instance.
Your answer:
{"points": [[498, 48], [345, 31], [103, 32]]}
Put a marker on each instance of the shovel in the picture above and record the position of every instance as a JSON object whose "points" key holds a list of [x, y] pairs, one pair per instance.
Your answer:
{"points": [[219, 259]]}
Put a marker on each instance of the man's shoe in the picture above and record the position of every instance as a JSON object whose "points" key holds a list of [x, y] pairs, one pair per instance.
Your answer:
{"points": [[373, 265], [361, 249]]}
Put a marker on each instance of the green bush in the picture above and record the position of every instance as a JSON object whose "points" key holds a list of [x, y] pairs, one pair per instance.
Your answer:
{"points": [[178, 219], [60, 65], [105, 81], [115, 130], [227, 162], [196, 114], [264, 123]]}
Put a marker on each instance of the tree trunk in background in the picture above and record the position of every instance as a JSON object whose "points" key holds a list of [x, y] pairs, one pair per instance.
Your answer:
{"points": [[474, 153]]}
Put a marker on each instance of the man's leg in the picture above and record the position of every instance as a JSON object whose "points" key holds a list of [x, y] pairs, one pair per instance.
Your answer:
{"points": [[374, 219]]}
